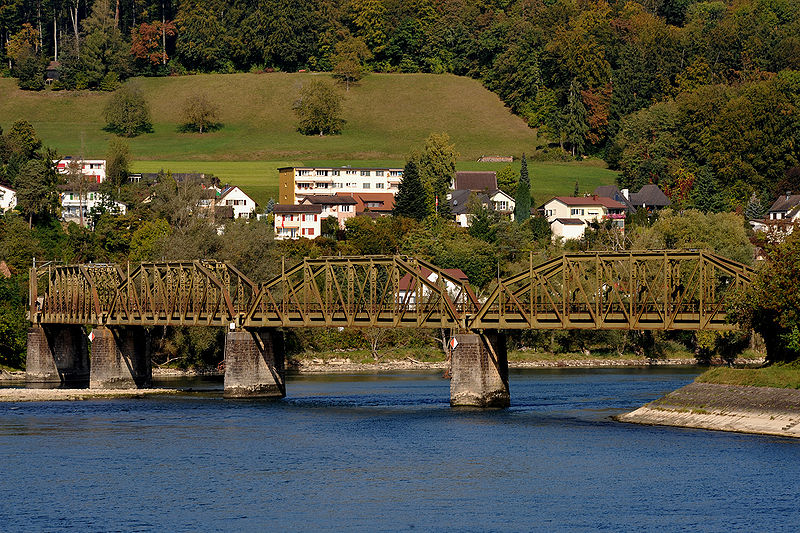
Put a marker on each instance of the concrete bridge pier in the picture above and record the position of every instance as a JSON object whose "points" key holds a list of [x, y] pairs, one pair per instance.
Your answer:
{"points": [[479, 370], [57, 354], [120, 358], [254, 364]]}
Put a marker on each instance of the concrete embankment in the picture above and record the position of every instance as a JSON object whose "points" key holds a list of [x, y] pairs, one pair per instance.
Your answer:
{"points": [[761, 410], [49, 395]]}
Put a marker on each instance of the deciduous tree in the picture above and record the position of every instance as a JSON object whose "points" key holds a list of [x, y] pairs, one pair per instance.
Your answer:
{"points": [[319, 109], [200, 114], [127, 112]]}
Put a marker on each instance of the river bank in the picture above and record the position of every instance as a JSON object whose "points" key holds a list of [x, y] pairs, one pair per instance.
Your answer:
{"points": [[743, 409], [49, 395], [324, 365]]}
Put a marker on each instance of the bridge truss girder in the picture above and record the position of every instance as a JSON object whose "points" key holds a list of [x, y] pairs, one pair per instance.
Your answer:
{"points": [[602, 290], [669, 290]]}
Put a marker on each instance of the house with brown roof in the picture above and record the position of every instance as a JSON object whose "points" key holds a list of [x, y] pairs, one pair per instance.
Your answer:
{"points": [[407, 287], [475, 181], [372, 203], [570, 215], [295, 221], [332, 205], [649, 197]]}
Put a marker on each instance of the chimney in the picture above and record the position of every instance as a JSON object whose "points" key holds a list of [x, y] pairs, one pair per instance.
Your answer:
{"points": [[626, 194]]}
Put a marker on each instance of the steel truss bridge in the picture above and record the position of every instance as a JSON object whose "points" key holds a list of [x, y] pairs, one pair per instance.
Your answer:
{"points": [[655, 290]]}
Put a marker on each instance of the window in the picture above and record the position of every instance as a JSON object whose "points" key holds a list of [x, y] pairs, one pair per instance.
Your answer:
{"points": [[379, 172], [334, 172], [395, 173], [365, 172], [303, 172], [575, 211], [379, 185], [351, 184], [593, 213], [322, 172], [347, 208], [350, 172], [310, 231], [365, 185], [549, 212]]}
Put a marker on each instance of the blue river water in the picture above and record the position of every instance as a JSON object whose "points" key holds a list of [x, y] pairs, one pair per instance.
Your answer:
{"points": [[387, 453]]}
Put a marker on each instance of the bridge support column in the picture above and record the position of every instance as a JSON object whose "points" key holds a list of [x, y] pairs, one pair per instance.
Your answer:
{"points": [[120, 358], [57, 354], [254, 364], [479, 369]]}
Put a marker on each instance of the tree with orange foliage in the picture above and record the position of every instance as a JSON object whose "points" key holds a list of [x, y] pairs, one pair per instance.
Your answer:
{"points": [[148, 41]]}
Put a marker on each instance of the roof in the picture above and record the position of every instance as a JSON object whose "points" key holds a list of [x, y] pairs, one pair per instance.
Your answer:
{"points": [[339, 168], [650, 195], [588, 201], [329, 199], [785, 202], [281, 209], [407, 282], [570, 221], [385, 199], [4, 270], [475, 180], [613, 192], [459, 199]]}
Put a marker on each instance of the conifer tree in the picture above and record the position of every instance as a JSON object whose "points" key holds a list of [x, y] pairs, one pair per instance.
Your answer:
{"points": [[706, 194], [575, 123], [754, 209], [411, 200], [522, 208]]}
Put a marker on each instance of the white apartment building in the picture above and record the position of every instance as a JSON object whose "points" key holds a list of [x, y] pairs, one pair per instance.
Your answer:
{"points": [[8, 198], [569, 215], [298, 182], [95, 169]]}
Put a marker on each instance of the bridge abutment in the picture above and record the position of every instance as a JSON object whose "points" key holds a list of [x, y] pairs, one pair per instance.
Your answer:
{"points": [[57, 354], [254, 364], [120, 358], [479, 370]]}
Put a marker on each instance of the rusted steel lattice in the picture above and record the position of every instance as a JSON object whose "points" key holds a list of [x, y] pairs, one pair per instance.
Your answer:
{"points": [[608, 290], [368, 291], [603, 290]]}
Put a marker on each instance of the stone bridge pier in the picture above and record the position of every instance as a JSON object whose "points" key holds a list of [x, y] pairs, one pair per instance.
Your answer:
{"points": [[479, 370], [120, 358], [57, 354], [254, 364]]}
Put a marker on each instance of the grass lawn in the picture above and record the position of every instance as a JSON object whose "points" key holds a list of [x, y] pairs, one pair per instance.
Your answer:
{"points": [[260, 178], [785, 376], [387, 116]]}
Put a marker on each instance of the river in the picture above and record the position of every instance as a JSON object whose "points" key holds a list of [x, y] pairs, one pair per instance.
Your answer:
{"points": [[387, 453]]}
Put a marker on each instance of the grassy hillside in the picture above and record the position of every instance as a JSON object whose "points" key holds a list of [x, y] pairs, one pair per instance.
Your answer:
{"points": [[260, 178], [387, 115]]}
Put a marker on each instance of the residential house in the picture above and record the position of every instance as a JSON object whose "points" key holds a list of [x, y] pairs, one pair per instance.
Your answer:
{"points": [[295, 221], [299, 182], [407, 287], [374, 204], [650, 197], [8, 198], [93, 169], [570, 215], [786, 208], [496, 200], [74, 201], [331, 205], [234, 197]]}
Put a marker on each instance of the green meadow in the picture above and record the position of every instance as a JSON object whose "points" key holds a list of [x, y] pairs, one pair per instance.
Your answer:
{"points": [[388, 116]]}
